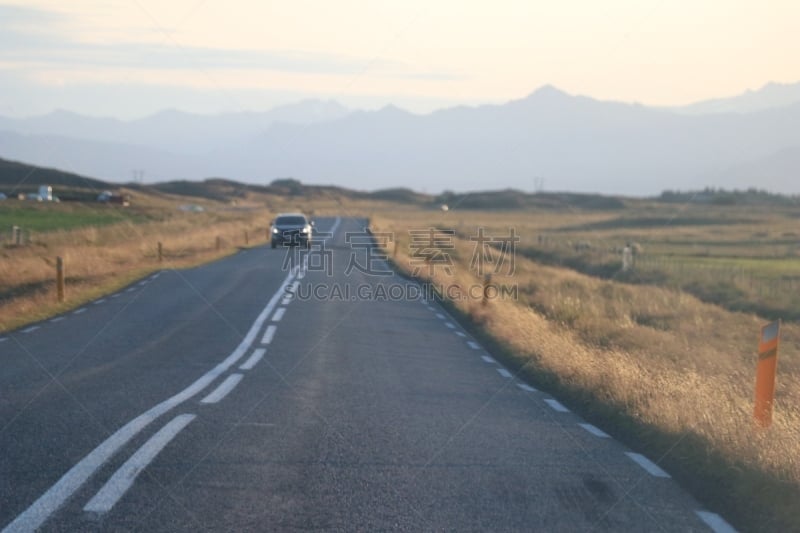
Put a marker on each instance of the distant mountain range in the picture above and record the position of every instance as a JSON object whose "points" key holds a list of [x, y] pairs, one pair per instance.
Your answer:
{"points": [[770, 96], [549, 139]]}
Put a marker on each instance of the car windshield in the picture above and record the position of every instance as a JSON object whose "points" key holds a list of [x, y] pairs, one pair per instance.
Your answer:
{"points": [[290, 221]]}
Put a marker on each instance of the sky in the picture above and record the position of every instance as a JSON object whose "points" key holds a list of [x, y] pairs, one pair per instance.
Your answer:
{"points": [[130, 58]]}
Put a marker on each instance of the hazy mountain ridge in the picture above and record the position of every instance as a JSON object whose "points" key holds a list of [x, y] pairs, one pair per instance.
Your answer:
{"points": [[565, 142], [770, 96], [173, 130]]}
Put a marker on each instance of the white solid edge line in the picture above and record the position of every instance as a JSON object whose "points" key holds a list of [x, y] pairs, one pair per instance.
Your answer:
{"points": [[526, 387], [715, 522], [278, 314], [253, 360], [473, 345], [596, 431], [503, 372], [49, 502], [487, 359], [223, 389], [123, 478], [651, 468], [268, 334], [555, 405]]}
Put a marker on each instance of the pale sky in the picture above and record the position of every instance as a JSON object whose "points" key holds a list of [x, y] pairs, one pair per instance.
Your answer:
{"points": [[130, 58]]}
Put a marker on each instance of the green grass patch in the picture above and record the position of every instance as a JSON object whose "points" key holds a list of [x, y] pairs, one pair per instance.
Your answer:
{"points": [[53, 217]]}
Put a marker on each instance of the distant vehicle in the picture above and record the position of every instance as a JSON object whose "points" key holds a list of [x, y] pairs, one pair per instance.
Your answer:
{"points": [[108, 197], [3, 196], [46, 193], [291, 229]]}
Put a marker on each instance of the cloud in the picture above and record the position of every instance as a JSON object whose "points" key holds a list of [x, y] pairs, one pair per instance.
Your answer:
{"points": [[13, 15], [37, 39]]}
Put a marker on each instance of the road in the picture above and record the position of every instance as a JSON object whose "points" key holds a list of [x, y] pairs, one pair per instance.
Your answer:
{"points": [[254, 395]]}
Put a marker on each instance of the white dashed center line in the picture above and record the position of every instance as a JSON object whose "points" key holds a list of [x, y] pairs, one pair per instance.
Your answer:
{"points": [[460, 334], [487, 359], [526, 387], [268, 334], [440, 315], [715, 522], [596, 431], [223, 389], [101, 300], [651, 468], [54, 497], [30, 329], [253, 359], [449, 325], [123, 478], [278, 314], [555, 405], [56, 319], [473, 345], [503, 372], [79, 311]]}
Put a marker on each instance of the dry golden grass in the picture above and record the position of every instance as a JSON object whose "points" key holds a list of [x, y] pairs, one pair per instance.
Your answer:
{"points": [[653, 357], [100, 259]]}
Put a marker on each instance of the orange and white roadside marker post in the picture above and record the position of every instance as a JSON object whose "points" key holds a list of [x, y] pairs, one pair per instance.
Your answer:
{"points": [[765, 373]]}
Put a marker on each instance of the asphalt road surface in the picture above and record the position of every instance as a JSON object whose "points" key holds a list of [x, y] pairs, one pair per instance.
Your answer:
{"points": [[273, 392]]}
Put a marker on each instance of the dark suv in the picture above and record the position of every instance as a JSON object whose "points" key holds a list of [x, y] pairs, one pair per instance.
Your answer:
{"points": [[291, 229]]}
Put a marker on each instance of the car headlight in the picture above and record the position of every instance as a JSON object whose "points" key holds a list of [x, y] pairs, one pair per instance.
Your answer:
{"points": [[275, 230], [304, 230]]}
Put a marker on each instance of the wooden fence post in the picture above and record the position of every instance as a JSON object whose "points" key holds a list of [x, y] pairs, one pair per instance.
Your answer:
{"points": [[60, 279]]}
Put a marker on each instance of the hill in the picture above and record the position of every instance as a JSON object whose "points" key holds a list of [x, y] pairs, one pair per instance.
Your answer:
{"points": [[20, 178], [565, 142]]}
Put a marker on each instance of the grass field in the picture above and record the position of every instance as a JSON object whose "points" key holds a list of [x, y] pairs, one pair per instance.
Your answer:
{"points": [[45, 217], [637, 352]]}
